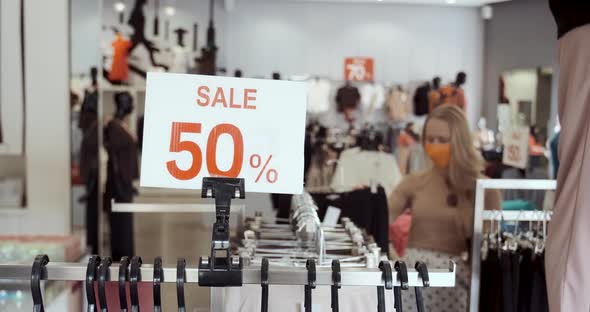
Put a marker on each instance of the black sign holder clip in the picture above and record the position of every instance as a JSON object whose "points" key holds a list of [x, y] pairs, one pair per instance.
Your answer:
{"points": [[222, 270]]}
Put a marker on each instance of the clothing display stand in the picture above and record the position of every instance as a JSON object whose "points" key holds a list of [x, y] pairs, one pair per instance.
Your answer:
{"points": [[480, 216], [216, 271]]}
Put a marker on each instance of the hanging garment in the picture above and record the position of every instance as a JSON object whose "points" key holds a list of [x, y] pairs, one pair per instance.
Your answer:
{"points": [[179, 59], [525, 286], [454, 299], [398, 105], [372, 97], [490, 299], [318, 96], [510, 262], [347, 97], [120, 68], [434, 99], [360, 168], [421, 100], [290, 298], [539, 298], [453, 95], [367, 209]]}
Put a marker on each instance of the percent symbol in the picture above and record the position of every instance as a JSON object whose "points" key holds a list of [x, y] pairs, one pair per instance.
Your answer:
{"points": [[256, 161]]}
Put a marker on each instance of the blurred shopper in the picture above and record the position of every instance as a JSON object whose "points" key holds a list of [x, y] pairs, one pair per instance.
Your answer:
{"points": [[432, 212], [568, 272]]}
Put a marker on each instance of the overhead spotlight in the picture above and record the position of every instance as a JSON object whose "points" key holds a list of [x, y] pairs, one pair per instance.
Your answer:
{"points": [[451, 1], [170, 10], [119, 6]]}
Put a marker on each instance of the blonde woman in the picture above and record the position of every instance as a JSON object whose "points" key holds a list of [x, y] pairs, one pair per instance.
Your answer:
{"points": [[440, 201]]}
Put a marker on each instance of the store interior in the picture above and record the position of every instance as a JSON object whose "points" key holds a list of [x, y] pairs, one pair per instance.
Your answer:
{"points": [[71, 67]]}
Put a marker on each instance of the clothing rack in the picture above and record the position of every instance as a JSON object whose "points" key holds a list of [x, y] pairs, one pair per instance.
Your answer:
{"points": [[55, 271], [221, 269], [480, 215]]}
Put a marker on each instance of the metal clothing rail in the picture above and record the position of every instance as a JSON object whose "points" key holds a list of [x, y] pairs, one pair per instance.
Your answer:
{"points": [[480, 215], [56, 271]]}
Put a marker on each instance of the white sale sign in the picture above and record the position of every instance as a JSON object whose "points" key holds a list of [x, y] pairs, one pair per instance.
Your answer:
{"points": [[516, 147], [206, 126]]}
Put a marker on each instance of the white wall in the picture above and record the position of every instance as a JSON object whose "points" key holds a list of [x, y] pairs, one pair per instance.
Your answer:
{"points": [[408, 42], [11, 88], [47, 122], [85, 35], [521, 85], [522, 34]]}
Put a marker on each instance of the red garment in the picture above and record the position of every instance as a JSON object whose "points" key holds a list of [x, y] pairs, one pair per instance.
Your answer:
{"points": [[120, 68], [399, 232]]}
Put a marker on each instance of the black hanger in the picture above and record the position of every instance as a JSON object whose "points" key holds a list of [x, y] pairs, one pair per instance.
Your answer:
{"points": [[423, 274], [336, 284], [37, 273], [104, 275], [264, 284], [402, 276], [91, 271], [311, 283], [123, 277], [180, 280], [134, 278], [387, 275], [158, 278]]}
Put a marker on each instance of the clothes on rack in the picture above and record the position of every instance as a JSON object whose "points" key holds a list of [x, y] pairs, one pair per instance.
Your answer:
{"points": [[318, 96], [362, 168], [120, 68], [180, 59], [372, 97], [438, 224], [453, 95], [444, 299], [421, 99], [347, 97], [367, 209], [290, 298], [513, 281], [398, 104]]}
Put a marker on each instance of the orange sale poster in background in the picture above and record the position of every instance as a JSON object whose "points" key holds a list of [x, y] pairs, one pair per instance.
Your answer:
{"points": [[359, 69]]}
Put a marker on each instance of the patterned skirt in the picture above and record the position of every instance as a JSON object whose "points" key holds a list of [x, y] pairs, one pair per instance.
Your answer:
{"points": [[439, 299]]}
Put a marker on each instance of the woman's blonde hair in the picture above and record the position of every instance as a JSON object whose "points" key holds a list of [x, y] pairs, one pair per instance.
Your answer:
{"points": [[466, 163]]}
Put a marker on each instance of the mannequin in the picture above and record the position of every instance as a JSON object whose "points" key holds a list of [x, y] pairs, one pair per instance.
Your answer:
{"points": [[137, 22], [483, 137], [453, 93], [179, 54], [122, 170]]}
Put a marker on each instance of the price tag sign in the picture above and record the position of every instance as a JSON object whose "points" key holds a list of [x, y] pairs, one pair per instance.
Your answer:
{"points": [[206, 126], [516, 147]]}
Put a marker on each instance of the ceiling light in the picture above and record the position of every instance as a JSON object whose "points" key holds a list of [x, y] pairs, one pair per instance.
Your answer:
{"points": [[451, 1], [170, 10], [119, 6]]}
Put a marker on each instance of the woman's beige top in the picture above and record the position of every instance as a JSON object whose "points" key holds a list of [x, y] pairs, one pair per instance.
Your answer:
{"points": [[436, 225]]}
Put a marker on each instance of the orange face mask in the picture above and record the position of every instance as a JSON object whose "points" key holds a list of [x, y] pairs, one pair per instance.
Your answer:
{"points": [[439, 153]]}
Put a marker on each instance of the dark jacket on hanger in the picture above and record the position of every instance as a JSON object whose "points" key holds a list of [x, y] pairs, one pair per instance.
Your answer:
{"points": [[366, 209], [421, 100], [570, 14], [347, 97]]}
